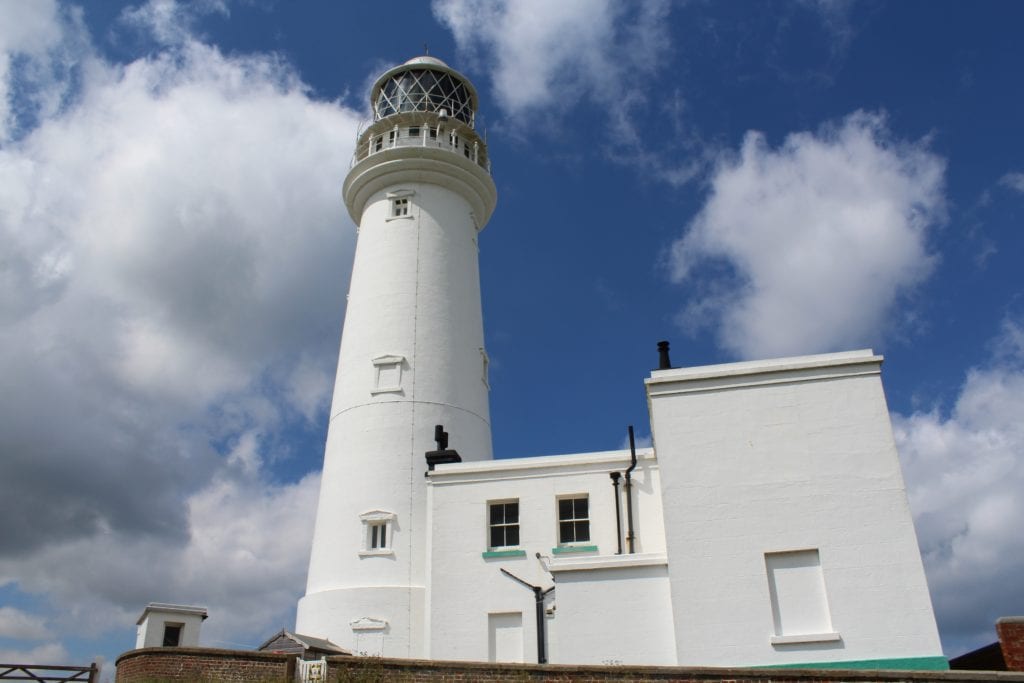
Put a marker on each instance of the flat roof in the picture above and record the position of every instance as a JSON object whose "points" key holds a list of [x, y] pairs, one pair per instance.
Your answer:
{"points": [[168, 608], [751, 367]]}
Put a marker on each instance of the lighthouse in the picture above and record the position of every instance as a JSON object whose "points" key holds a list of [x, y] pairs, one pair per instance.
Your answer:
{"points": [[412, 357]]}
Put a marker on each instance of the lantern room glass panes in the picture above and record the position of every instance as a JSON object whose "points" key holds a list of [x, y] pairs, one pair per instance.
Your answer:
{"points": [[425, 90]]}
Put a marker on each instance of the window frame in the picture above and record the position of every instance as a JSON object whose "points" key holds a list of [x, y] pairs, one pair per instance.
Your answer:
{"points": [[399, 200], [573, 520], [504, 524], [372, 521], [178, 628]]}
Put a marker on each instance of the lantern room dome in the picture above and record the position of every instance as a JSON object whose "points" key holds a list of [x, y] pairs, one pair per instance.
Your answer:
{"points": [[426, 59], [424, 84]]}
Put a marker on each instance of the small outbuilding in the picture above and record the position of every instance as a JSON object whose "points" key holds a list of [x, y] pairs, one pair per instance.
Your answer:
{"points": [[166, 625]]}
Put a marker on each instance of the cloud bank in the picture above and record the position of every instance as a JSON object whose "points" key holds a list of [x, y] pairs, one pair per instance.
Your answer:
{"points": [[171, 292], [806, 248], [964, 478]]}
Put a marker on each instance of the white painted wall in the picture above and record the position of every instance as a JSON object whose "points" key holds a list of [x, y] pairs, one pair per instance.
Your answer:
{"points": [[604, 607], [783, 455]]}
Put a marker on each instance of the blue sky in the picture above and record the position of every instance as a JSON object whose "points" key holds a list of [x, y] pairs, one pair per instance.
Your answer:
{"points": [[745, 180]]}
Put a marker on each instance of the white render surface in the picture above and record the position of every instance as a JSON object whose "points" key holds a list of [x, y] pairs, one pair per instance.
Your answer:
{"points": [[778, 456], [412, 357], [157, 615], [597, 590]]}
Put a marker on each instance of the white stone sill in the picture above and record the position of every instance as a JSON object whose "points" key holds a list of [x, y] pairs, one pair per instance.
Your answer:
{"points": [[590, 562], [805, 638], [376, 553]]}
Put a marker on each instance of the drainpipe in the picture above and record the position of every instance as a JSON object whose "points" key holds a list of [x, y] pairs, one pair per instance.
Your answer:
{"points": [[630, 538], [618, 509], [538, 595]]}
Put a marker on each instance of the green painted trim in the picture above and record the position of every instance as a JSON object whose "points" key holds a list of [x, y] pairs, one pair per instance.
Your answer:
{"points": [[901, 663], [488, 554], [563, 549]]}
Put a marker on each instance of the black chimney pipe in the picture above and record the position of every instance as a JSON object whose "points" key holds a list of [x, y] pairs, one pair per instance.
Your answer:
{"points": [[663, 361], [618, 509], [443, 454], [629, 492]]}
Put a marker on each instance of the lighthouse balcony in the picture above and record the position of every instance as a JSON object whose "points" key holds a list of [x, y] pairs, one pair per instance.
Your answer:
{"points": [[427, 134]]}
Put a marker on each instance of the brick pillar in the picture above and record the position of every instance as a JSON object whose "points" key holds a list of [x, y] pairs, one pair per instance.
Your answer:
{"points": [[1011, 641]]}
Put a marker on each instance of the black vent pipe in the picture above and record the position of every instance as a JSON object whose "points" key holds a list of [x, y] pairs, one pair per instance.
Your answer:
{"points": [[443, 454], [663, 360], [629, 492]]}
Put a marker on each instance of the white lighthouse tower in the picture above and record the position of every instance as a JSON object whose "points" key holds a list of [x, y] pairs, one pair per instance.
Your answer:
{"points": [[412, 357]]}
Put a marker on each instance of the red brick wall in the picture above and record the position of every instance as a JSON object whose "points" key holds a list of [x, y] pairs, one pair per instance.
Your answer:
{"points": [[1011, 640], [203, 664], [213, 666]]}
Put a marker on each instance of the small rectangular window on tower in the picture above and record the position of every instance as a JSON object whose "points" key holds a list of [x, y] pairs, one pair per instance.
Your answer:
{"points": [[378, 535], [503, 524], [401, 203], [573, 520], [378, 529]]}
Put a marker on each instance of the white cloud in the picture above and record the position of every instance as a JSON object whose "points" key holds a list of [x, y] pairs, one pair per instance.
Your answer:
{"points": [[546, 58], [30, 31], [20, 625], [965, 475], [1014, 181], [175, 257], [169, 21], [552, 54], [49, 653], [807, 247]]}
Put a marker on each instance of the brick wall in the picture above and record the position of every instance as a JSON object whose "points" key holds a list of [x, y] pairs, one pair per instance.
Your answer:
{"points": [[213, 666], [1011, 640], [199, 664]]}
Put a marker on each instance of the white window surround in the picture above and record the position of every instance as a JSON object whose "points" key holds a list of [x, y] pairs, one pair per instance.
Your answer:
{"points": [[368, 624], [806, 638], [393, 201], [796, 587], [379, 520], [387, 374]]}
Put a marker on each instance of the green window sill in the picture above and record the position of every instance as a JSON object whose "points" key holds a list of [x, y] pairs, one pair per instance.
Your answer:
{"points": [[488, 554], [564, 549]]}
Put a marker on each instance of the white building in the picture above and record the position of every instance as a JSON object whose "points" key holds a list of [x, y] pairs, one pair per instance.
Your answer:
{"points": [[166, 625], [767, 526]]}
